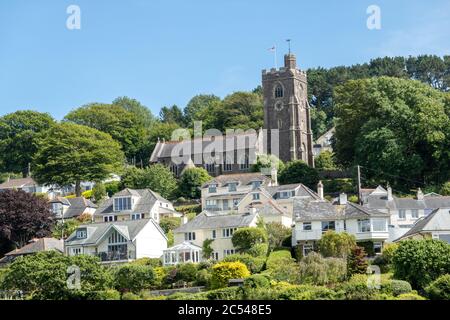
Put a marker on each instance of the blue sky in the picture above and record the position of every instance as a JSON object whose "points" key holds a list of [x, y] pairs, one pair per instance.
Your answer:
{"points": [[165, 52]]}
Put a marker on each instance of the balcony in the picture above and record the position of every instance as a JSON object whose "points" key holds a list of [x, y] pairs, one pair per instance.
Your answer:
{"points": [[114, 256], [311, 235]]}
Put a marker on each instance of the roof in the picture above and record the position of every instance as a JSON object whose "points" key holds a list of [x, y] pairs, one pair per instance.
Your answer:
{"points": [[379, 201], [146, 199], [426, 223], [77, 206], [206, 220], [43, 244], [18, 183], [242, 178], [186, 245], [95, 231], [300, 190]]}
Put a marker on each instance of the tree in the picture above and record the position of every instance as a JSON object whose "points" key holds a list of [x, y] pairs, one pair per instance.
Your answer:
{"points": [[421, 261], [245, 238], [122, 125], [191, 181], [356, 261], [207, 250], [134, 278], [298, 171], [172, 115], [18, 134], [99, 192], [445, 189], [142, 113], [276, 233], [339, 245], [316, 270], [169, 223], [44, 276], [265, 163], [197, 105], [64, 229], [70, 153], [325, 161], [23, 216], [156, 177]]}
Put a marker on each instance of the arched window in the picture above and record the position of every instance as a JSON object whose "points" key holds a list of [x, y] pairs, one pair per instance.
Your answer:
{"points": [[278, 91]]}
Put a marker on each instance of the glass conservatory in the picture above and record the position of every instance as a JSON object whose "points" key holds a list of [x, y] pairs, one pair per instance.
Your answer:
{"points": [[182, 253]]}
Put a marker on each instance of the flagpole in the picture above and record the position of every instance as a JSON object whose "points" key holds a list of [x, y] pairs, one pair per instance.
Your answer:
{"points": [[275, 57]]}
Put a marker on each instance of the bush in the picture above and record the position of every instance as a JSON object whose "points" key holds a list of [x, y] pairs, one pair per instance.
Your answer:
{"points": [[357, 291], [224, 271], [245, 238], [191, 181], [259, 250], [356, 262], [298, 171], [230, 293], [333, 244], [152, 262], [306, 292], [396, 287], [169, 223], [186, 272], [314, 269], [203, 278], [410, 296], [277, 257], [439, 289], [445, 189], [130, 296], [282, 267], [421, 261], [133, 278], [276, 233], [257, 281], [253, 264], [109, 294]]}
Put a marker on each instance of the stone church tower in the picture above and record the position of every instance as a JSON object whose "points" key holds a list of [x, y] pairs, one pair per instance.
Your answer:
{"points": [[286, 108]]}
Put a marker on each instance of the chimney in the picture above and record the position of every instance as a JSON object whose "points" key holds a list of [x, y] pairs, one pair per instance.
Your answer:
{"points": [[184, 219], [320, 190], [343, 199], [290, 62], [389, 193], [274, 176], [420, 194], [252, 210]]}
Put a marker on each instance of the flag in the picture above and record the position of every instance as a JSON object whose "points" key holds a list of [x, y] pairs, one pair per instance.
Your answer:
{"points": [[272, 49]]}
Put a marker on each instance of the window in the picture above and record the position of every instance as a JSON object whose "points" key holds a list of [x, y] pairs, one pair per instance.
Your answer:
{"points": [[256, 184], [137, 216], [402, 214], [211, 203], [215, 256], [174, 169], [210, 167], [109, 218], [228, 164], [116, 237], [228, 252], [235, 202], [76, 251], [379, 225], [377, 246], [328, 225], [278, 91], [285, 194], [307, 226], [255, 196], [189, 236], [244, 164], [228, 232], [213, 234], [363, 225], [415, 213], [232, 187], [121, 204], [307, 248], [212, 188], [225, 204], [81, 234]]}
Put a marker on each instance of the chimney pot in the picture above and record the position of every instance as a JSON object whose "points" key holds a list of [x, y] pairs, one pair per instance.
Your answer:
{"points": [[320, 190], [343, 199]]}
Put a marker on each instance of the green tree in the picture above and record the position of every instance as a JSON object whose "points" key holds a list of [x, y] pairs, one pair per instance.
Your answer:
{"points": [[356, 261], [245, 238], [276, 234], [421, 261], [191, 181], [325, 161], [134, 278], [316, 270], [142, 113], [265, 163], [70, 153], [445, 189], [299, 172], [198, 105], [207, 250], [99, 192], [339, 245], [18, 135], [172, 114], [169, 223], [64, 229]]}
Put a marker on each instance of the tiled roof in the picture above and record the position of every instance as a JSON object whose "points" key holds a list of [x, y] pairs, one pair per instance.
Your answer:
{"points": [[206, 220], [43, 244], [242, 178], [419, 225], [77, 206], [18, 183]]}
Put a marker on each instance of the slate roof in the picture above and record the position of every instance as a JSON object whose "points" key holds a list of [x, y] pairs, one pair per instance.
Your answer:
{"points": [[242, 178], [429, 202], [18, 183], [95, 231], [419, 226], [43, 244], [77, 205], [300, 190], [146, 199], [206, 220]]}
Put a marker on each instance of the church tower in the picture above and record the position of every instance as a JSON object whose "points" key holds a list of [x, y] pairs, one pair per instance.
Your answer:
{"points": [[286, 108]]}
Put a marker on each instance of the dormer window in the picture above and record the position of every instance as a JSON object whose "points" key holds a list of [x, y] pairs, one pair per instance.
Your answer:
{"points": [[232, 187], [256, 184], [255, 196], [81, 234], [123, 204], [285, 194], [212, 188], [278, 91]]}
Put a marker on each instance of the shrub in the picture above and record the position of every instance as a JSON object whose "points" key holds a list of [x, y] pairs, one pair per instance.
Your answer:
{"points": [[357, 291], [277, 257], [368, 247], [109, 294], [191, 181], [253, 264], [445, 189], [356, 262], [339, 245], [152, 262], [257, 281], [276, 233], [439, 289], [224, 271], [395, 287], [421, 261], [186, 272], [130, 296], [133, 278], [230, 293], [282, 267], [306, 292], [298, 171], [203, 278], [245, 238], [314, 269], [259, 250], [410, 296]]}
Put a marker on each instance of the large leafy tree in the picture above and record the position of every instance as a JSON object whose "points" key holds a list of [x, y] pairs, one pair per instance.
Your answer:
{"points": [[245, 238], [398, 129], [143, 114], [18, 133], [191, 181], [325, 161], [23, 216], [121, 124], [198, 105], [172, 114], [70, 153], [299, 172]]}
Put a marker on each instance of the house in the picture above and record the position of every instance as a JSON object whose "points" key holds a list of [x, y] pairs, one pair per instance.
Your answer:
{"points": [[68, 208], [118, 242], [323, 143], [404, 212], [35, 246], [436, 225], [28, 185], [134, 204], [314, 217], [207, 225]]}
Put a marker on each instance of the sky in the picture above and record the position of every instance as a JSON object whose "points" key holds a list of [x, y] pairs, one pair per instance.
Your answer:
{"points": [[164, 52]]}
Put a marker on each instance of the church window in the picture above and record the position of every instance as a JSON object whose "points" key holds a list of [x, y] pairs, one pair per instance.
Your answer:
{"points": [[244, 163], [280, 123], [278, 92]]}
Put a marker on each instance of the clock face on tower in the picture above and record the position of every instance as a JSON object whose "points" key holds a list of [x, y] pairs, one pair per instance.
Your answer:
{"points": [[278, 106]]}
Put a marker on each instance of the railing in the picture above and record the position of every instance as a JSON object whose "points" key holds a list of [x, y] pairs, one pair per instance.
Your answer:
{"points": [[312, 234], [113, 256]]}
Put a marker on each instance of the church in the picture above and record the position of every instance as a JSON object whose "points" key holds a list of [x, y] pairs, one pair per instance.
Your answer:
{"points": [[286, 133]]}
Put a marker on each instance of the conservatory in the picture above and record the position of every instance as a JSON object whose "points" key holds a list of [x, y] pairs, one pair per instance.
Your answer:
{"points": [[182, 253]]}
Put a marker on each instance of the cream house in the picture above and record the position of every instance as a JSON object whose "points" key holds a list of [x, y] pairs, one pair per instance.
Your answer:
{"points": [[68, 208], [206, 225], [135, 204], [118, 242]]}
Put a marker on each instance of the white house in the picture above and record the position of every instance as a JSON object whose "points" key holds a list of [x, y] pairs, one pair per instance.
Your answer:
{"points": [[134, 204], [118, 242], [28, 185], [206, 225], [436, 225], [312, 218], [68, 208]]}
